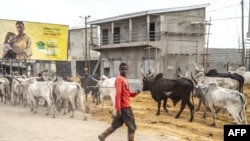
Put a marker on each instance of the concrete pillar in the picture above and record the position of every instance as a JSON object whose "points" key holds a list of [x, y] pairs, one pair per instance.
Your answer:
{"points": [[248, 33], [130, 30], [148, 25], [73, 67], [53, 66], [112, 33]]}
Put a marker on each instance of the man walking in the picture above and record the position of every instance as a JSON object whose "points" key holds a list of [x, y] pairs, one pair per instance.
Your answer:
{"points": [[122, 104]]}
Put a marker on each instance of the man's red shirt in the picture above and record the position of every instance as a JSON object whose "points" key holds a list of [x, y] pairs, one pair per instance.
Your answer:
{"points": [[122, 98]]}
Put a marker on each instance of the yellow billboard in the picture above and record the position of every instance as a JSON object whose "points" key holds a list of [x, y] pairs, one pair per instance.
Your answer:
{"points": [[32, 40]]}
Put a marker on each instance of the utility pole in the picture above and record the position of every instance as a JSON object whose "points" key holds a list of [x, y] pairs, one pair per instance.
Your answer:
{"points": [[242, 26], [86, 46], [248, 35]]}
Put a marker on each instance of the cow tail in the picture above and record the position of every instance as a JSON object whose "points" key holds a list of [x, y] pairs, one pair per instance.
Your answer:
{"points": [[52, 98], [83, 103], [192, 92], [244, 107], [192, 95]]}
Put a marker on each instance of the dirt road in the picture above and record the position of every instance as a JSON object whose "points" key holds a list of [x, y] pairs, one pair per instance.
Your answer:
{"points": [[19, 124]]}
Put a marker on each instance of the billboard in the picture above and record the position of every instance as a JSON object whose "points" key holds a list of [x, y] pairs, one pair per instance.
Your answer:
{"points": [[32, 40]]}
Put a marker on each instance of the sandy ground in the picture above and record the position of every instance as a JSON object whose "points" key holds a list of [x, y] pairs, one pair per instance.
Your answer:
{"points": [[19, 124], [145, 108]]}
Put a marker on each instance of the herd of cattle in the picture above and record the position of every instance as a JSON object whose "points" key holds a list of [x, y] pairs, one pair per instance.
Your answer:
{"points": [[215, 90]]}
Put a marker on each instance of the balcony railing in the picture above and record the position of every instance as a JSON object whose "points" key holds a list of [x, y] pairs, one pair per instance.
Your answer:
{"points": [[127, 38]]}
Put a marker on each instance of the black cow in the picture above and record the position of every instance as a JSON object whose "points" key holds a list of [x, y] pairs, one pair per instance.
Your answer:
{"points": [[178, 89], [235, 76], [88, 83]]}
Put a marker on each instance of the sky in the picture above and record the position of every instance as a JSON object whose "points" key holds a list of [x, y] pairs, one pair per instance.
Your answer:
{"points": [[225, 31]]}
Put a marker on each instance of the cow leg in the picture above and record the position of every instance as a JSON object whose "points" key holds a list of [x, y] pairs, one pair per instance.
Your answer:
{"points": [[36, 104], [236, 115], [159, 105], [102, 102], [4, 98], [73, 107], [57, 103], [191, 107], [69, 108], [86, 97], [214, 115], [48, 103], [199, 105], [14, 99], [183, 105], [19, 98], [32, 101], [25, 100], [65, 106], [48, 108], [51, 106], [205, 113], [95, 95], [165, 106]]}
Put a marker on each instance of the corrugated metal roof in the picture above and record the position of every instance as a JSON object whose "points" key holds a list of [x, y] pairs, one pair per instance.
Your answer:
{"points": [[142, 13]]}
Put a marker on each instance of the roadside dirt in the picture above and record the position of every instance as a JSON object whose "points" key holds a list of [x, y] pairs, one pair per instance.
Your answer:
{"points": [[145, 108]]}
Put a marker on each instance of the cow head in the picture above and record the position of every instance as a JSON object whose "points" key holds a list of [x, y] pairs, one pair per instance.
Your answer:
{"points": [[88, 82], [200, 89], [178, 71], [148, 81], [48, 75], [197, 70]]}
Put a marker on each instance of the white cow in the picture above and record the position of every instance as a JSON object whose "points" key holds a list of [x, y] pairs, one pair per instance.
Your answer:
{"points": [[107, 91], [217, 97], [70, 91], [4, 88], [16, 89], [242, 71], [222, 82], [35, 90]]}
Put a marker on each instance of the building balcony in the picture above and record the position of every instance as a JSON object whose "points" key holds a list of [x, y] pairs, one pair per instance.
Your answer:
{"points": [[136, 39]]}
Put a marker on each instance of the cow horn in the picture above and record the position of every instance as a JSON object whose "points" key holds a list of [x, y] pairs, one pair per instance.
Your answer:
{"points": [[196, 68], [142, 72], [180, 75], [152, 70], [54, 78], [94, 79], [17, 80], [78, 75], [186, 74], [193, 79], [179, 72], [44, 77]]}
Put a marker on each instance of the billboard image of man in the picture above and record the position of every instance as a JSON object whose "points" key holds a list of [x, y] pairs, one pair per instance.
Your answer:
{"points": [[22, 46]]}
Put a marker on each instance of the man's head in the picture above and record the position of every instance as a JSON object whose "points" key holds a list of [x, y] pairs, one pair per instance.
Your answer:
{"points": [[19, 26], [123, 68]]}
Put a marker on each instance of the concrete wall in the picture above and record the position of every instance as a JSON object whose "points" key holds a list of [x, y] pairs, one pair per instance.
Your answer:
{"points": [[77, 43], [77, 48], [219, 58]]}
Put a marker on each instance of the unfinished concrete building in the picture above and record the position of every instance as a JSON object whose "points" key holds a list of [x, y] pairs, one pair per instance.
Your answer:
{"points": [[169, 38]]}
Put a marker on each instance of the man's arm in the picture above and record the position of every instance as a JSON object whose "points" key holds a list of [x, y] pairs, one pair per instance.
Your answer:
{"points": [[28, 48], [118, 86]]}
